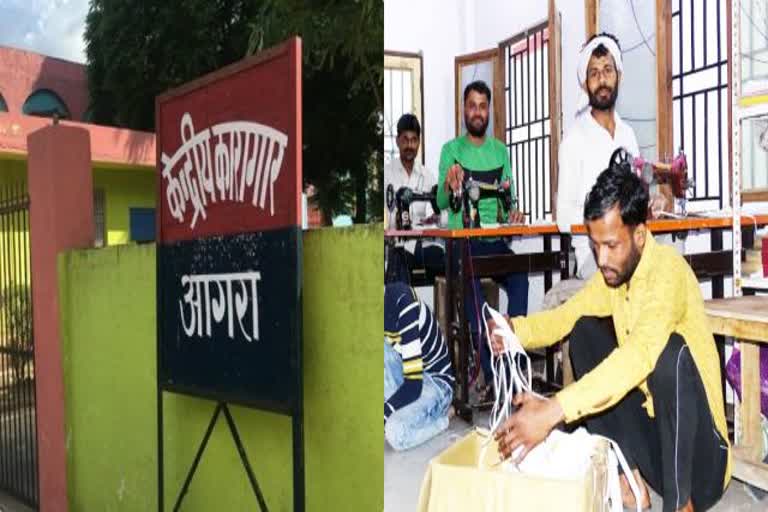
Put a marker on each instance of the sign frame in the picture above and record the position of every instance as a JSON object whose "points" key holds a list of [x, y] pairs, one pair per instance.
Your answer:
{"points": [[290, 222]]}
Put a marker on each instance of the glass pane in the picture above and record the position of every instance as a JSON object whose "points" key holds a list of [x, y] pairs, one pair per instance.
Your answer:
{"points": [[634, 24], [398, 100], [754, 153], [754, 45], [45, 103]]}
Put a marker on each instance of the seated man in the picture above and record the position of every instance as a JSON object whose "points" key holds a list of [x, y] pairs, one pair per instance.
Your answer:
{"points": [[589, 143], [645, 359], [486, 159], [418, 381], [406, 171]]}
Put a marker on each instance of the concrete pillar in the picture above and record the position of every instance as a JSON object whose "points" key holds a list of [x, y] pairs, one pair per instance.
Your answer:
{"points": [[61, 218]]}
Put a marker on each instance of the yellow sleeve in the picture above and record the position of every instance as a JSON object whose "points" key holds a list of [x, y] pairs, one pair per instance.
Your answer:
{"points": [[548, 327], [662, 306]]}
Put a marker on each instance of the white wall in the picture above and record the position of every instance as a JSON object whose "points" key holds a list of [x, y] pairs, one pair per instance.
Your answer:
{"points": [[435, 28]]}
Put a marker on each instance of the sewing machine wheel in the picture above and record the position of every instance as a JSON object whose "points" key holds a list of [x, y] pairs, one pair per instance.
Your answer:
{"points": [[433, 200], [390, 197], [621, 159], [455, 201]]}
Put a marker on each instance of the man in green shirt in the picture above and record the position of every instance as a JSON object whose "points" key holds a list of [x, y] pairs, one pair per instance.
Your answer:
{"points": [[485, 159]]}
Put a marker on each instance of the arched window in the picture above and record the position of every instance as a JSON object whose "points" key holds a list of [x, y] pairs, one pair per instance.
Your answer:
{"points": [[3, 105], [45, 103]]}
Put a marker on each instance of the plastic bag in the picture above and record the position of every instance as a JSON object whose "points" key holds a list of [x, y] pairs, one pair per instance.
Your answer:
{"points": [[733, 375]]}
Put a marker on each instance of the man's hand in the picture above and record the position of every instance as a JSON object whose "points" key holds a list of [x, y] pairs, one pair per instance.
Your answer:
{"points": [[497, 342], [529, 425], [516, 217], [454, 178]]}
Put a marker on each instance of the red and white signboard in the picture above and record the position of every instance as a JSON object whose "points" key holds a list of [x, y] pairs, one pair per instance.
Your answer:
{"points": [[229, 149]]}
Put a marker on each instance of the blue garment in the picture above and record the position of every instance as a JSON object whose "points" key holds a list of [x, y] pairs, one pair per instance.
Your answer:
{"points": [[420, 420], [411, 329]]}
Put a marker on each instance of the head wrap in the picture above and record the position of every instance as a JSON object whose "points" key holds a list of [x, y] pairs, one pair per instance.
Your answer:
{"points": [[581, 68], [586, 54]]}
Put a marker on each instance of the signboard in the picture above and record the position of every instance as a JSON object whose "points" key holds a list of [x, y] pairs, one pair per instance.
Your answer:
{"points": [[229, 233]]}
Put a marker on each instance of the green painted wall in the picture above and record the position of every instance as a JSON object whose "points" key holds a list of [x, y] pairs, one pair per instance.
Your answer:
{"points": [[12, 170], [124, 189], [108, 340]]}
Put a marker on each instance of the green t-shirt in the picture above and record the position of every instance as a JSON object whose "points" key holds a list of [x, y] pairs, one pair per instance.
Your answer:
{"points": [[490, 157]]}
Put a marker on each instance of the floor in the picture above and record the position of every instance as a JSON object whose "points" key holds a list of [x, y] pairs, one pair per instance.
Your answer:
{"points": [[403, 472], [9, 504]]}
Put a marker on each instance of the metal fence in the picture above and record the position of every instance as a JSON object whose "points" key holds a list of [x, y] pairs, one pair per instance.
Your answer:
{"points": [[700, 96], [527, 130], [18, 424]]}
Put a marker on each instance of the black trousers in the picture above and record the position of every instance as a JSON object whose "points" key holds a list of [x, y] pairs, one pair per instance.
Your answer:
{"points": [[679, 452]]}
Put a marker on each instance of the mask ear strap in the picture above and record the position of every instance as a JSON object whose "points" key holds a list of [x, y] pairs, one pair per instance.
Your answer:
{"points": [[506, 366], [633, 485]]}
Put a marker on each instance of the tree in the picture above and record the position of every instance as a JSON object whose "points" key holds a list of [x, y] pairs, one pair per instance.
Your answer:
{"points": [[15, 306], [137, 49]]}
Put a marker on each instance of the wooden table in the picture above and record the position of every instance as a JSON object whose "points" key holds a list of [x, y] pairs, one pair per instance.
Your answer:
{"points": [[745, 318], [715, 264], [419, 277], [457, 266], [691, 223]]}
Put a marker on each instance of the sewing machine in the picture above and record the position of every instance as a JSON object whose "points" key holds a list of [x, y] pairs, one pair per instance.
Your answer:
{"points": [[674, 173], [467, 198], [400, 203]]}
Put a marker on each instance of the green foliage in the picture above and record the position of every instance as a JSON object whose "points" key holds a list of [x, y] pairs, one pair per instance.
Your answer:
{"points": [[16, 314], [137, 49]]}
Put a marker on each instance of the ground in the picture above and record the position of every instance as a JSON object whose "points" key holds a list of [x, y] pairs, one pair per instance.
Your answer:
{"points": [[8, 504]]}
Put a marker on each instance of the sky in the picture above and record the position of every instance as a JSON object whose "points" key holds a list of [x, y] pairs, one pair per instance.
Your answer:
{"points": [[50, 27]]}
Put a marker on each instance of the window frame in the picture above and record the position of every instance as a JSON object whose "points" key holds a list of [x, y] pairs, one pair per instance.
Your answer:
{"points": [[54, 95], [414, 62]]}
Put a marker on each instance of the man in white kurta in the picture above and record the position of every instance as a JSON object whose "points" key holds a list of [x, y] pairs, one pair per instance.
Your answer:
{"points": [[589, 143], [407, 171]]}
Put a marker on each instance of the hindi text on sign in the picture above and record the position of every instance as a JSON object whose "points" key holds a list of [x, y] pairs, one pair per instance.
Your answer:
{"points": [[245, 163], [228, 300]]}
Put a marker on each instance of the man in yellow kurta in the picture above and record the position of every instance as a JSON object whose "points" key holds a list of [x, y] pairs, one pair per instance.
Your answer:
{"points": [[648, 373]]}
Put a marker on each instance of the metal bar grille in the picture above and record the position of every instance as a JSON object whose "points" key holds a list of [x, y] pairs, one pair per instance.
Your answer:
{"points": [[99, 218], [18, 421], [527, 130], [700, 95], [397, 101]]}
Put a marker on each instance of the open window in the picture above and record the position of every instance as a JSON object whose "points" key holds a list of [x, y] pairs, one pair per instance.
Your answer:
{"points": [[523, 73], [483, 65], [532, 116], [403, 93], [100, 218]]}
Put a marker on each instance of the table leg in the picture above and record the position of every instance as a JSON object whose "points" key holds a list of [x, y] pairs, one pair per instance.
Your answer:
{"points": [[465, 410], [454, 298], [716, 244], [565, 250], [718, 292], [552, 350], [751, 441]]}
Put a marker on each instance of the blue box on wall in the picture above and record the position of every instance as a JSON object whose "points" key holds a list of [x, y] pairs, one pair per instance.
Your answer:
{"points": [[142, 224]]}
